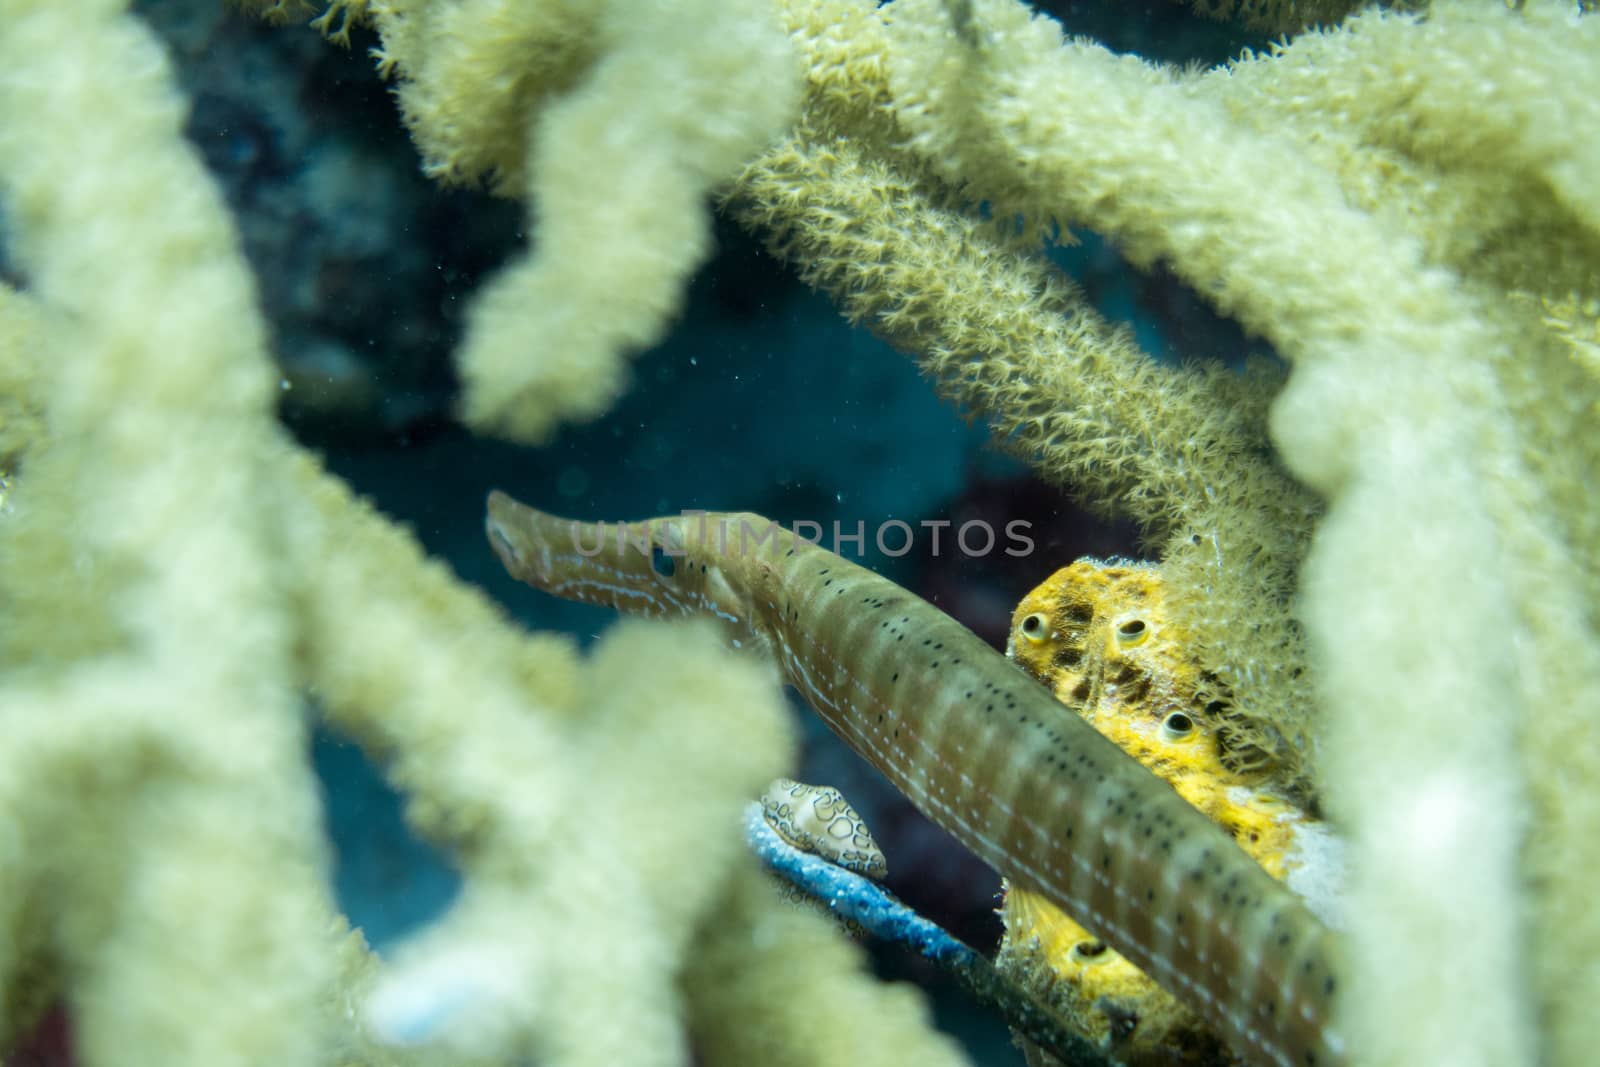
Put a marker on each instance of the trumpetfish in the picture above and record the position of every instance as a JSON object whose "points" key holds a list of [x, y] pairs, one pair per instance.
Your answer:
{"points": [[980, 749]]}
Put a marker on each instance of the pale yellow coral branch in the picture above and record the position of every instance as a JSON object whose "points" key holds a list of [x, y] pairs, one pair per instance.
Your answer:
{"points": [[1395, 411], [158, 398], [615, 120]]}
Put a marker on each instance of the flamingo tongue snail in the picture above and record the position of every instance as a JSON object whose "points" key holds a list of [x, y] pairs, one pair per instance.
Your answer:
{"points": [[982, 750]]}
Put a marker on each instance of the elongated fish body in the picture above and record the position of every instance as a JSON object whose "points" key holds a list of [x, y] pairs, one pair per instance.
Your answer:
{"points": [[982, 750]]}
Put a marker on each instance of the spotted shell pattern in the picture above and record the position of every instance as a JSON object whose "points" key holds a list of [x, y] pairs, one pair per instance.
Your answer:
{"points": [[817, 819]]}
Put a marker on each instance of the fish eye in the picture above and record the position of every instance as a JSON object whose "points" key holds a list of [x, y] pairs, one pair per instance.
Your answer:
{"points": [[1177, 727], [662, 563], [1132, 632], [1033, 627]]}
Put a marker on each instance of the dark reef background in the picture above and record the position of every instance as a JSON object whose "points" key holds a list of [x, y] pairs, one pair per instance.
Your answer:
{"points": [[760, 399]]}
